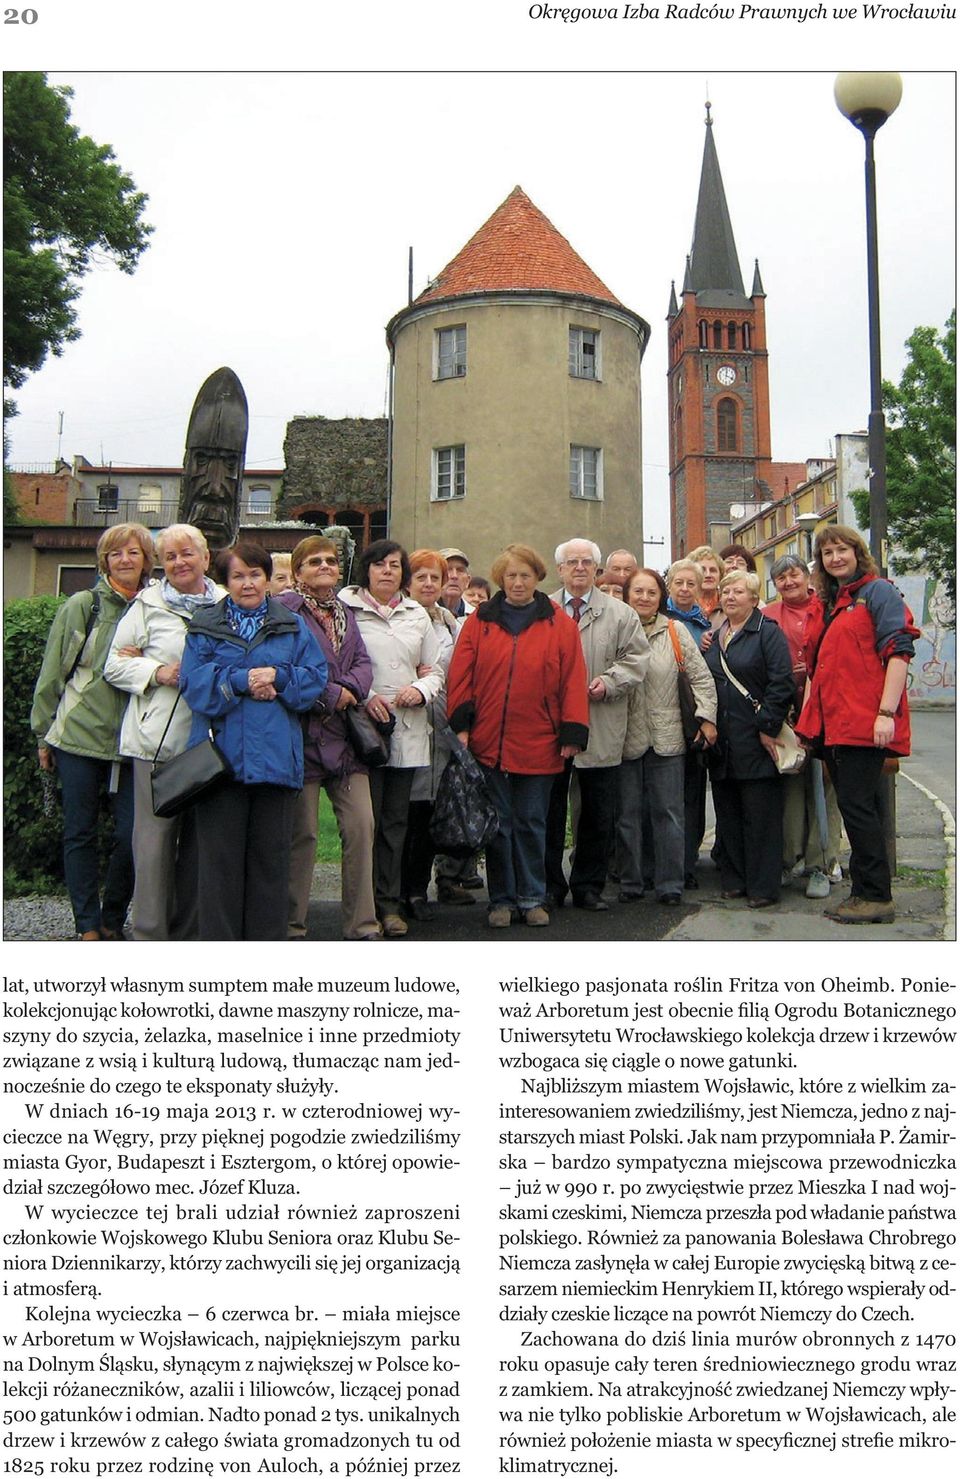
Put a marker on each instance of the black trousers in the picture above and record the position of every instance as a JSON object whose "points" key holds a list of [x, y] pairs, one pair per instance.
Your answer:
{"points": [[418, 852], [595, 830], [390, 796], [694, 808], [244, 861], [750, 829], [856, 772]]}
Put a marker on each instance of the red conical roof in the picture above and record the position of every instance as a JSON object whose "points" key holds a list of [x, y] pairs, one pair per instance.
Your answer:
{"points": [[517, 248]]}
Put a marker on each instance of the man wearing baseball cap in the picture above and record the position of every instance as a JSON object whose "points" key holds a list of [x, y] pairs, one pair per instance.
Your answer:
{"points": [[458, 577]]}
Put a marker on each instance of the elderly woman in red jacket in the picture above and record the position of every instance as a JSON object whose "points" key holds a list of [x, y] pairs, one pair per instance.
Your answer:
{"points": [[857, 705], [517, 695]]}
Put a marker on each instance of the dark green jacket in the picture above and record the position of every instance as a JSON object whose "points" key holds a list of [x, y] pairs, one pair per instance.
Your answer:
{"points": [[81, 716]]}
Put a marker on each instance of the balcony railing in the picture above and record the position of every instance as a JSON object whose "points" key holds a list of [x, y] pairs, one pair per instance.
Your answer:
{"points": [[91, 513]]}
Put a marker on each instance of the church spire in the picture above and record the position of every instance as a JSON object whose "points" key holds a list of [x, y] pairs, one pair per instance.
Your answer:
{"points": [[714, 265]]}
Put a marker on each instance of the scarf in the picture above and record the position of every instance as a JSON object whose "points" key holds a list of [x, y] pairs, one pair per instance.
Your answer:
{"points": [[329, 613], [384, 609], [124, 590], [245, 624], [185, 603]]}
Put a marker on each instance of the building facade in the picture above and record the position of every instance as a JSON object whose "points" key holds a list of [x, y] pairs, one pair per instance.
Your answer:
{"points": [[65, 507], [515, 399]]}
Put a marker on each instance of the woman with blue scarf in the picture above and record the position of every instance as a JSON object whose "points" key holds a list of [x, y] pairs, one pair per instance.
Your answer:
{"points": [[144, 661], [250, 668]]}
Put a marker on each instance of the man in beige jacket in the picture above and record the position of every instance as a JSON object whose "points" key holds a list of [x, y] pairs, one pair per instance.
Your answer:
{"points": [[616, 653]]}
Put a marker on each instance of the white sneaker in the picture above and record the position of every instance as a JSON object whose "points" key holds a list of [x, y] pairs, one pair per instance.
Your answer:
{"points": [[818, 885], [836, 874]]}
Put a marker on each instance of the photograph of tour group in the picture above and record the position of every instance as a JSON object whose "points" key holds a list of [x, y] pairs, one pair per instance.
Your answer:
{"points": [[375, 571]]}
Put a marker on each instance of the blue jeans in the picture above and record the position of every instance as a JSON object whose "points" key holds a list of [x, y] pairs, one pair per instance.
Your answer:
{"points": [[516, 872], [652, 784], [81, 779]]}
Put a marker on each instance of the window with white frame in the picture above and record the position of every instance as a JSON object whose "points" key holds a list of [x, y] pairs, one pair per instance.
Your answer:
{"points": [[451, 353], [586, 472], [449, 473], [583, 354], [259, 499]]}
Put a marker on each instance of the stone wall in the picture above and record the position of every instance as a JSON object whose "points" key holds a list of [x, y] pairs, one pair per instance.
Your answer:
{"points": [[334, 464]]}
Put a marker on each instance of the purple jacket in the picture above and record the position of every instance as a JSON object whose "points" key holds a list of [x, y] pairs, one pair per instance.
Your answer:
{"points": [[327, 753]]}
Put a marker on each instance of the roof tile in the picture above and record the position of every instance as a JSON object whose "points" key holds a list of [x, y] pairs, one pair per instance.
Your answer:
{"points": [[517, 248]]}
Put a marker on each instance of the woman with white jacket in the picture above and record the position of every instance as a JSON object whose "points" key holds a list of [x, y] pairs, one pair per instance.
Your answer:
{"points": [[403, 648], [652, 772], [144, 661]]}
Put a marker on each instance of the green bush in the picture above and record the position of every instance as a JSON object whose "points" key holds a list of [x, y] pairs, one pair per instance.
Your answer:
{"points": [[32, 841]]}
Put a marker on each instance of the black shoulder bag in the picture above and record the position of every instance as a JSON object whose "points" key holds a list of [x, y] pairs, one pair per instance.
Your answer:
{"points": [[180, 781]]}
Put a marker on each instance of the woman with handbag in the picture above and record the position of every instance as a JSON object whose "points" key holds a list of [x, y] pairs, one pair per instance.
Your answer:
{"points": [[400, 639], [856, 707], [76, 718], [250, 668], [751, 666], [517, 696], [428, 576], [330, 760], [651, 775], [144, 662]]}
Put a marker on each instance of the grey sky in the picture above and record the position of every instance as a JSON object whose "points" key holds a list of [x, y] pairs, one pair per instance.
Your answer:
{"points": [[284, 206]]}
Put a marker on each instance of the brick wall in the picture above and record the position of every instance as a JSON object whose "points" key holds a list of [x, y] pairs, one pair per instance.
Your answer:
{"points": [[45, 498]]}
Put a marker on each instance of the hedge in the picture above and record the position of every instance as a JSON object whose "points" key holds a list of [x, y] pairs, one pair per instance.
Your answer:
{"points": [[32, 842]]}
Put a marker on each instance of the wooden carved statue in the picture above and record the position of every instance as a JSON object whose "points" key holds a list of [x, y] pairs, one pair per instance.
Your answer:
{"points": [[213, 460]]}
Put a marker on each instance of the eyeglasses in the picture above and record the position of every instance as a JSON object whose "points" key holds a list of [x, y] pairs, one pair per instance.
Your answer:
{"points": [[574, 564]]}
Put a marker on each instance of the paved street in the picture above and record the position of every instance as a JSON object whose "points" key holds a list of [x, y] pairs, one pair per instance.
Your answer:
{"points": [[934, 758], [925, 909]]}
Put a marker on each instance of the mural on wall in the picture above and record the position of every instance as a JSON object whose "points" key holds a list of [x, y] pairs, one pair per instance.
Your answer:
{"points": [[933, 672]]}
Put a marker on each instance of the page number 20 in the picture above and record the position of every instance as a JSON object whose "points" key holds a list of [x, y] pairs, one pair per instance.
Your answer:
{"points": [[19, 17]]}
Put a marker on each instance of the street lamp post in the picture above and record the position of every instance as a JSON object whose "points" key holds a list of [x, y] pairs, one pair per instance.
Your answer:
{"points": [[868, 99], [807, 524]]}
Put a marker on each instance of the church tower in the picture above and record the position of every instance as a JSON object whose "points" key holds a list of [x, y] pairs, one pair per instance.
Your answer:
{"points": [[718, 396]]}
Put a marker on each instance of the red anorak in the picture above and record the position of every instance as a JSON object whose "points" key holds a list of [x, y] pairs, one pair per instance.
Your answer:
{"points": [[521, 697]]}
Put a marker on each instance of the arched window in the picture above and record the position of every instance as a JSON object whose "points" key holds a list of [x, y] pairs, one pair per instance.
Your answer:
{"points": [[731, 336], [702, 333], [746, 336], [726, 425], [678, 433], [718, 335]]}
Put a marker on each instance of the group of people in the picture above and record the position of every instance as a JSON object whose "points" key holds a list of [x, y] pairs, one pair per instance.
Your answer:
{"points": [[603, 706]]}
